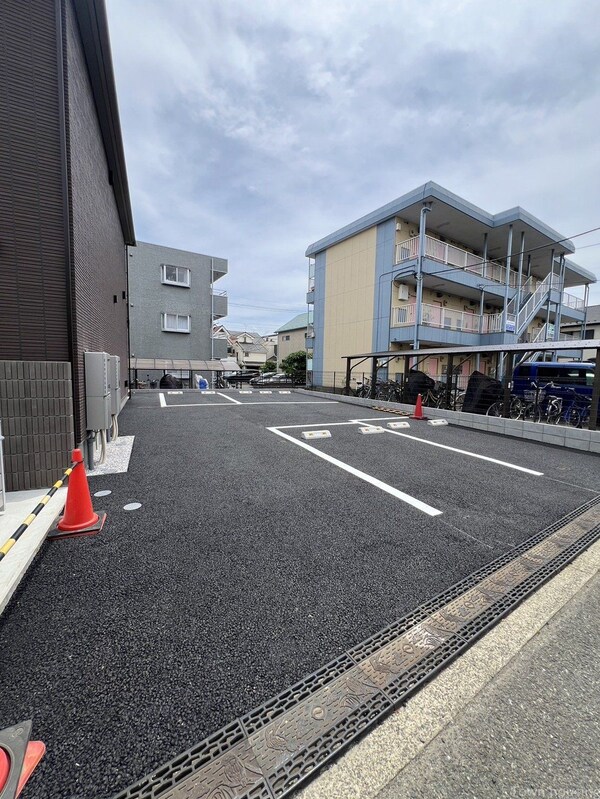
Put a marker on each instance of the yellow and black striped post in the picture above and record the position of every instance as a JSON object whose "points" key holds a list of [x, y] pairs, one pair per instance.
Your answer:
{"points": [[8, 545]]}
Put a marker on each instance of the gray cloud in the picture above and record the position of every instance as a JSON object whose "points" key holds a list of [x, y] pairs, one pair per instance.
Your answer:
{"points": [[253, 129]]}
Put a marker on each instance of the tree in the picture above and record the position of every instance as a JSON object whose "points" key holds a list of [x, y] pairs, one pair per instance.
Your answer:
{"points": [[294, 363]]}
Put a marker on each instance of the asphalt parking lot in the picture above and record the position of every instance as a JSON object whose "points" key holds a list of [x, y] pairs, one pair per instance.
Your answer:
{"points": [[256, 557]]}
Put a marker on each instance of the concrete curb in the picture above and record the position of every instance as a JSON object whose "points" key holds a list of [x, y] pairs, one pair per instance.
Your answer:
{"points": [[371, 764], [569, 437], [18, 560]]}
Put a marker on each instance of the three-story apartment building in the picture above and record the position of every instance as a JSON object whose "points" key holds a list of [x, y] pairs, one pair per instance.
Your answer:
{"points": [[173, 307], [431, 269]]}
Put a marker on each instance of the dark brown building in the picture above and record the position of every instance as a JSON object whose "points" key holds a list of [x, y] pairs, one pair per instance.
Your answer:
{"points": [[65, 221]]}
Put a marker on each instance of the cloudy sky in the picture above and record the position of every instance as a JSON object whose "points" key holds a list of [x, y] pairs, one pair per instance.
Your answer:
{"points": [[254, 129]]}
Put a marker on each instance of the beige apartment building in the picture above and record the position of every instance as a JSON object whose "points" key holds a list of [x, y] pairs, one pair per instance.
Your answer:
{"points": [[431, 269]]}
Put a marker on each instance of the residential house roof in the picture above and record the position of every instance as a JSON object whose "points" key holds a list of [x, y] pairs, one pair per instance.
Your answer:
{"points": [[252, 347], [297, 323], [592, 317]]}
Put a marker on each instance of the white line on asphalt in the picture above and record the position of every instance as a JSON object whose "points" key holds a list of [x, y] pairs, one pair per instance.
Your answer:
{"points": [[163, 402], [231, 399], [310, 424], [245, 404], [416, 503], [460, 451]]}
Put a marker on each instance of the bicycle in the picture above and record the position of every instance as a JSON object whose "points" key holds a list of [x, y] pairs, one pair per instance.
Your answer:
{"points": [[497, 408], [532, 405], [573, 410]]}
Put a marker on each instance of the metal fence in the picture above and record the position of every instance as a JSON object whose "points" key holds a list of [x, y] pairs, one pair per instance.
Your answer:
{"points": [[392, 387]]}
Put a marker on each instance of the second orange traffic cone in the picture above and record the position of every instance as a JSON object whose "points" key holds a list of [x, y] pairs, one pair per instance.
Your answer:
{"points": [[79, 518], [418, 414]]}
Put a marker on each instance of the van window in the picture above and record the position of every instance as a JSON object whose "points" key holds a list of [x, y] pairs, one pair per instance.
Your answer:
{"points": [[572, 376]]}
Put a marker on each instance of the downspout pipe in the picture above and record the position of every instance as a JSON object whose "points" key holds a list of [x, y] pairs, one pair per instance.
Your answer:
{"points": [[561, 283], [549, 295], [507, 276], [586, 295], [418, 310], [481, 303], [520, 277]]}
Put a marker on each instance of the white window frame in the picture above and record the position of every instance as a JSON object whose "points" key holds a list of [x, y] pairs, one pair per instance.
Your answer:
{"points": [[164, 320], [184, 276]]}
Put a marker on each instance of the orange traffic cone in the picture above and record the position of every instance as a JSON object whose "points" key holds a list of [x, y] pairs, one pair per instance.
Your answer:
{"points": [[79, 518], [18, 758], [418, 414]]}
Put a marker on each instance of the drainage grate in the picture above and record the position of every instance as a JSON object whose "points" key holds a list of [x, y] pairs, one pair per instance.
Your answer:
{"points": [[396, 411], [272, 749]]}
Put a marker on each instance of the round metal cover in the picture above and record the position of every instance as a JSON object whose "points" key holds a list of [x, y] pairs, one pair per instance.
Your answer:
{"points": [[132, 506], [103, 493]]}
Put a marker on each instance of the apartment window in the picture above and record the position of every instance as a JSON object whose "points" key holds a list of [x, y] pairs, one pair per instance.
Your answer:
{"points": [[175, 275], [176, 323], [286, 338]]}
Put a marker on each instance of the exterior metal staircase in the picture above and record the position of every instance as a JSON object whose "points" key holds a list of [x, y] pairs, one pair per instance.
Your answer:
{"points": [[531, 300]]}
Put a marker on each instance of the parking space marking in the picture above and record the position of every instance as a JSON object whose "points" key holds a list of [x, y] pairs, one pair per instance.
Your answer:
{"points": [[311, 424], [246, 404], [231, 399], [460, 451], [163, 402], [394, 492]]}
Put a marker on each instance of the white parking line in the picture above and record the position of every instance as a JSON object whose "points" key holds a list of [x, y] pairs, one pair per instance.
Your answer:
{"points": [[231, 399], [246, 404], [460, 451], [163, 402], [416, 503], [311, 424]]}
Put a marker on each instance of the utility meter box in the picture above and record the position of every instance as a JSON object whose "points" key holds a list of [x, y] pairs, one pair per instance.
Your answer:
{"points": [[114, 382], [402, 292], [97, 390]]}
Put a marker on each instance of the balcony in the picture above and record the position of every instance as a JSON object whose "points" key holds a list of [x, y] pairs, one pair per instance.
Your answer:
{"points": [[219, 268], [447, 319], [454, 256], [219, 304], [571, 301]]}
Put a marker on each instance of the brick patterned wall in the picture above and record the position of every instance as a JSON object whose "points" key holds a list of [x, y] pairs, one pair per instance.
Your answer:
{"points": [[33, 301], [36, 409], [99, 264]]}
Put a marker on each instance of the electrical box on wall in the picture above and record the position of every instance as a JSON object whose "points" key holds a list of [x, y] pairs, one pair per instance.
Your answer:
{"points": [[114, 382], [97, 390], [402, 292]]}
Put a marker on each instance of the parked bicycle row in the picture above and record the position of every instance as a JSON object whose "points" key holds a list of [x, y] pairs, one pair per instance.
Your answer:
{"points": [[547, 403], [438, 395]]}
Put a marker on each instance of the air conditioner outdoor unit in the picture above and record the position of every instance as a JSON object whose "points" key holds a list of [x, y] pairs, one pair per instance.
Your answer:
{"points": [[413, 233], [402, 292]]}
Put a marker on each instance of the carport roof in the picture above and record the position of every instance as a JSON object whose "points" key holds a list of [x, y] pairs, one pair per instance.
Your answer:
{"points": [[180, 363]]}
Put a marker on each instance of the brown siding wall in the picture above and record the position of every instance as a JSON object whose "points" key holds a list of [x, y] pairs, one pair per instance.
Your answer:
{"points": [[99, 267], [33, 307]]}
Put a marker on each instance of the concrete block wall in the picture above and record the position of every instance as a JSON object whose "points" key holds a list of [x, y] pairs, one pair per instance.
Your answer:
{"points": [[570, 437], [36, 408]]}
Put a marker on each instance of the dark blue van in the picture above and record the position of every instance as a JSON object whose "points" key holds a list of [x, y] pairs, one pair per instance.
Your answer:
{"points": [[577, 375]]}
